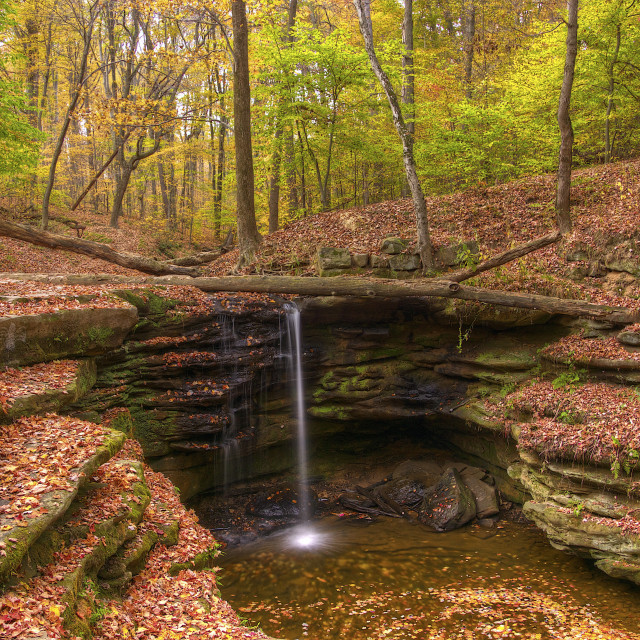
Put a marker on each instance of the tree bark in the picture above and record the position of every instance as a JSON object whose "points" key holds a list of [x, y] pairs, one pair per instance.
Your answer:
{"points": [[274, 178], [248, 236], [87, 36], [608, 147], [361, 287], [424, 240], [563, 194], [89, 248], [505, 256]]}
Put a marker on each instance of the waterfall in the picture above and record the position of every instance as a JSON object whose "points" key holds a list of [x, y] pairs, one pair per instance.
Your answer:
{"points": [[295, 343]]}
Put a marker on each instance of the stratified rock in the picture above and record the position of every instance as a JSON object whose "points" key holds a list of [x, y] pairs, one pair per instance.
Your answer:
{"points": [[448, 505]]}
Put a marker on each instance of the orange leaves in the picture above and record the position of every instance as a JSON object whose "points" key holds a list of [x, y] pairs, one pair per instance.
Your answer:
{"points": [[34, 380]]}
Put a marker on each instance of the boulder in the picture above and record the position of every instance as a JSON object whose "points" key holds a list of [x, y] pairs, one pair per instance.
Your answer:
{"points": [[360, 260], [405, 492], [449, 504], [455, 254], [630, 338], [393, 246], [426, 472], [485, 496], [405, 262], [333, 258], [283, 503], [379, 262]]}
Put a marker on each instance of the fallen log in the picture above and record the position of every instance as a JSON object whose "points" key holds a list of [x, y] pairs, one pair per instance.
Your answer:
{"points": [[90, 248], [363, 287], [504, 257], [196, 259]]}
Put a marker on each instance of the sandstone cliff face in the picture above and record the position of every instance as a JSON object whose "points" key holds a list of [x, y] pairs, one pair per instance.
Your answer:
{"points": [[204, 390]]}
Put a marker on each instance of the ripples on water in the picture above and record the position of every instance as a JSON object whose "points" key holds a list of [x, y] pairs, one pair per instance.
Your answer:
{"points": [[352, 580]]}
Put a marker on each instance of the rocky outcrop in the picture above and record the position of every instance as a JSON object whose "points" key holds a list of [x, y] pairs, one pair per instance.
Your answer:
{"points": [[203, 387]]}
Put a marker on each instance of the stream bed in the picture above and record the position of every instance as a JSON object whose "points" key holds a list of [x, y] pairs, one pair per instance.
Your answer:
{"points": [[356, 579]]}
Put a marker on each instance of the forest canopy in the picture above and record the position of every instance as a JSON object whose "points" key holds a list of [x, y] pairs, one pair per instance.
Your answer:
{"points": [[125, 107]]}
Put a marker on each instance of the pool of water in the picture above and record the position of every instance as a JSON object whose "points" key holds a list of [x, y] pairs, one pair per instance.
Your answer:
{"points": [[389, 579]]}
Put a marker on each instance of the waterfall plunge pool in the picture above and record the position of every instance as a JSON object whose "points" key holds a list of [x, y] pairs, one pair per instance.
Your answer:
{"points": [[390, 579]]}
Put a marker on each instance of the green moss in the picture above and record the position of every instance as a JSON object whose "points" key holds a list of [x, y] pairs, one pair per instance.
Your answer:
{"points": [[204, 560], [329, 412], [100, 335], [379, 354]]}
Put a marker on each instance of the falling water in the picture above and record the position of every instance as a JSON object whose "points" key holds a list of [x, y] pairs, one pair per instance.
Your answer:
{"points": [[294, 326]]}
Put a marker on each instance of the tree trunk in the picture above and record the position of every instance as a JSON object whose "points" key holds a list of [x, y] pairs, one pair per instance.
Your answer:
{"points": [[563, 194], [469, 36], [67, 119], [368, 288], [121, 188], [424, 240], [217, 194], [505, 257], [274, 178], [248, 236], [89, 248], [610, 101]]}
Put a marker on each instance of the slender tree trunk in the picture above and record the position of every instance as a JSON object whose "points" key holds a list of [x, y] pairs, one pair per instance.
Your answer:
{"points": [[118, 196], [469, 36], [274, 178], [424, 240], [408, 85], [563, 194], [217, 195], [67, 120], [248, 236], [274, 183], [610, 101]]}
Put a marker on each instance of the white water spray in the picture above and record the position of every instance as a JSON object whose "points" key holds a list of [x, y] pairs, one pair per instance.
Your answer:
{"points": [[295, 337]]}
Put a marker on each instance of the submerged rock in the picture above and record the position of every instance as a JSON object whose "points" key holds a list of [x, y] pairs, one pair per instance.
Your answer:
{"points": [[448, 505], [283, 503]]}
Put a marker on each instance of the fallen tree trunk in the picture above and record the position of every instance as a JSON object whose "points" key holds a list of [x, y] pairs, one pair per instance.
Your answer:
{"points": [[362, 287], [92, 249], [504, 257], [196, 259]]}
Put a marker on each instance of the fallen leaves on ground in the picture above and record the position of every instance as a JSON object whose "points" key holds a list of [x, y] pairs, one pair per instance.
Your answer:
{"points": [[41, 454], [35, 380]]}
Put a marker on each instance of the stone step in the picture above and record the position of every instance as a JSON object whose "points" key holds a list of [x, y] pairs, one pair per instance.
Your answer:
{"points": [[45, 461], [605, 358], [170, 595], [44, 387], [61, 566]]}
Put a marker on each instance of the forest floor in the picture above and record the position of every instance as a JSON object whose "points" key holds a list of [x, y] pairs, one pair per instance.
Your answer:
{"points": [[605, 203]]}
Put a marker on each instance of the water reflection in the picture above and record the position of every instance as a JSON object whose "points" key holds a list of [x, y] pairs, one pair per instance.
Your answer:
{"points": [[394, 580]]}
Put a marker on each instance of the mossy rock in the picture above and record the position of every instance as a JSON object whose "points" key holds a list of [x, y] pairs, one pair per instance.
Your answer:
{"points": [[52, 400], [18, 540], [204, 560], [53, 336]]}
